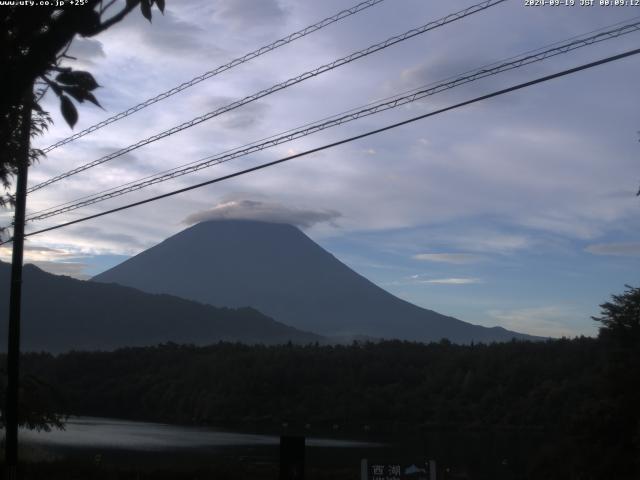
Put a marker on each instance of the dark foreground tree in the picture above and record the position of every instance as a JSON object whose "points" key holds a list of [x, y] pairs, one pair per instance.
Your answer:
{"points": [[40, 404], [33, 41], [620, 318], [620, 337]]}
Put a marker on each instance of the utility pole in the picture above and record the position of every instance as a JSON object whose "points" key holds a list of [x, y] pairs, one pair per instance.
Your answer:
{"points": [[15, 296]]}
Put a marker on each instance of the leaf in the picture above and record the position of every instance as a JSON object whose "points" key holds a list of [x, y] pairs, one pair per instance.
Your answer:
{"points": [[66, 78], [89, 22], [160, 4], [145, 8], [89, 96], [56, 88], [80, 94], [78, 77], [76, 92], [68, 110], [86, 80]]}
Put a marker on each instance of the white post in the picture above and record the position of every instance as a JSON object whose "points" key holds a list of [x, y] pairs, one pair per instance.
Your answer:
{"points": [[432, 470], [364, 469]]}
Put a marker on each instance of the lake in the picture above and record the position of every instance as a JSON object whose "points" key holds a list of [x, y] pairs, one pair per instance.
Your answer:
{"points": [[143, 446], [125, 445], [92, 432]]}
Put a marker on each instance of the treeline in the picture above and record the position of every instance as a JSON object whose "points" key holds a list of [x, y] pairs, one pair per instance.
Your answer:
{"points": [[576, 397], [575, 401], [384, 385]]}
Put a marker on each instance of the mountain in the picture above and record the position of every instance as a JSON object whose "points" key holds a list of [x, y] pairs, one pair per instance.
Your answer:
{"points": [[61, 313], [278, 270]]}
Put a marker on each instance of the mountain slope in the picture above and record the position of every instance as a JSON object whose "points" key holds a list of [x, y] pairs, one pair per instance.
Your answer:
{"points": [[61, 313], [280, 271]]}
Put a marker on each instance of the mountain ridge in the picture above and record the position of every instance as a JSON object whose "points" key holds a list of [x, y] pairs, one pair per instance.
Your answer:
{"points": [[60, 313]]}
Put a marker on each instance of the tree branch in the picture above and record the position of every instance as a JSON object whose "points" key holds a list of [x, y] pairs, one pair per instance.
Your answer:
{"points": [[105, 8], [131, 4]]}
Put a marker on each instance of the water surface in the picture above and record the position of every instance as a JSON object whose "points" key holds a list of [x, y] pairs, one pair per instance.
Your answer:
{"points": [[92, 432]]}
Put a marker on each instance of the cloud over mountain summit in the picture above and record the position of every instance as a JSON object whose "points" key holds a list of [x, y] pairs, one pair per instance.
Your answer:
{"points": [[266, 211]]}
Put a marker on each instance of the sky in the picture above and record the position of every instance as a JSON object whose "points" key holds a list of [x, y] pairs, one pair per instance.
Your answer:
{"points": [[519, 211]]}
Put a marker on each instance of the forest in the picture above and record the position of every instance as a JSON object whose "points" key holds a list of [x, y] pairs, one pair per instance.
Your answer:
{"points": [[576, 399]]}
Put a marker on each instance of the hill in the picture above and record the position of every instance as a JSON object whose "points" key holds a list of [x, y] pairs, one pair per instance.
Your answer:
{"points": [[61, 313]]}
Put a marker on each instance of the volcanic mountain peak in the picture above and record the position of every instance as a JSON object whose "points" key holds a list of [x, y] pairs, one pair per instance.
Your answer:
{"points": [[278, 270]]}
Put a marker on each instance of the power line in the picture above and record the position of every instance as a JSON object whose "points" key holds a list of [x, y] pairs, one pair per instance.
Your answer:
{"points": [[222, 68], [341, 142], [280, 86], [354, 114]]}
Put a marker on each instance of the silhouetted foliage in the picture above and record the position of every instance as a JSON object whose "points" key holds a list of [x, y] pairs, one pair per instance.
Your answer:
{"points": [[620, 335], [620, 318], [39, 403], [33, 42], [558, 391]]}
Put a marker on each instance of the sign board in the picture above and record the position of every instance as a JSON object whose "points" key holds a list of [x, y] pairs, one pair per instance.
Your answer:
{"points": [[385, 470]]}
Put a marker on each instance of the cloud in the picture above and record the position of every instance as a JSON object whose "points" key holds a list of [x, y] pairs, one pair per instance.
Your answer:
{"points": [[126, 241], [169, 34], [248, 116], [438, 68], [548, 321], [241, 14], [245, 209], [456, 258], [86, 51], [618, 249], [497, 242], [52, 260], [40, 249], [35, 253], [452, 281]]}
